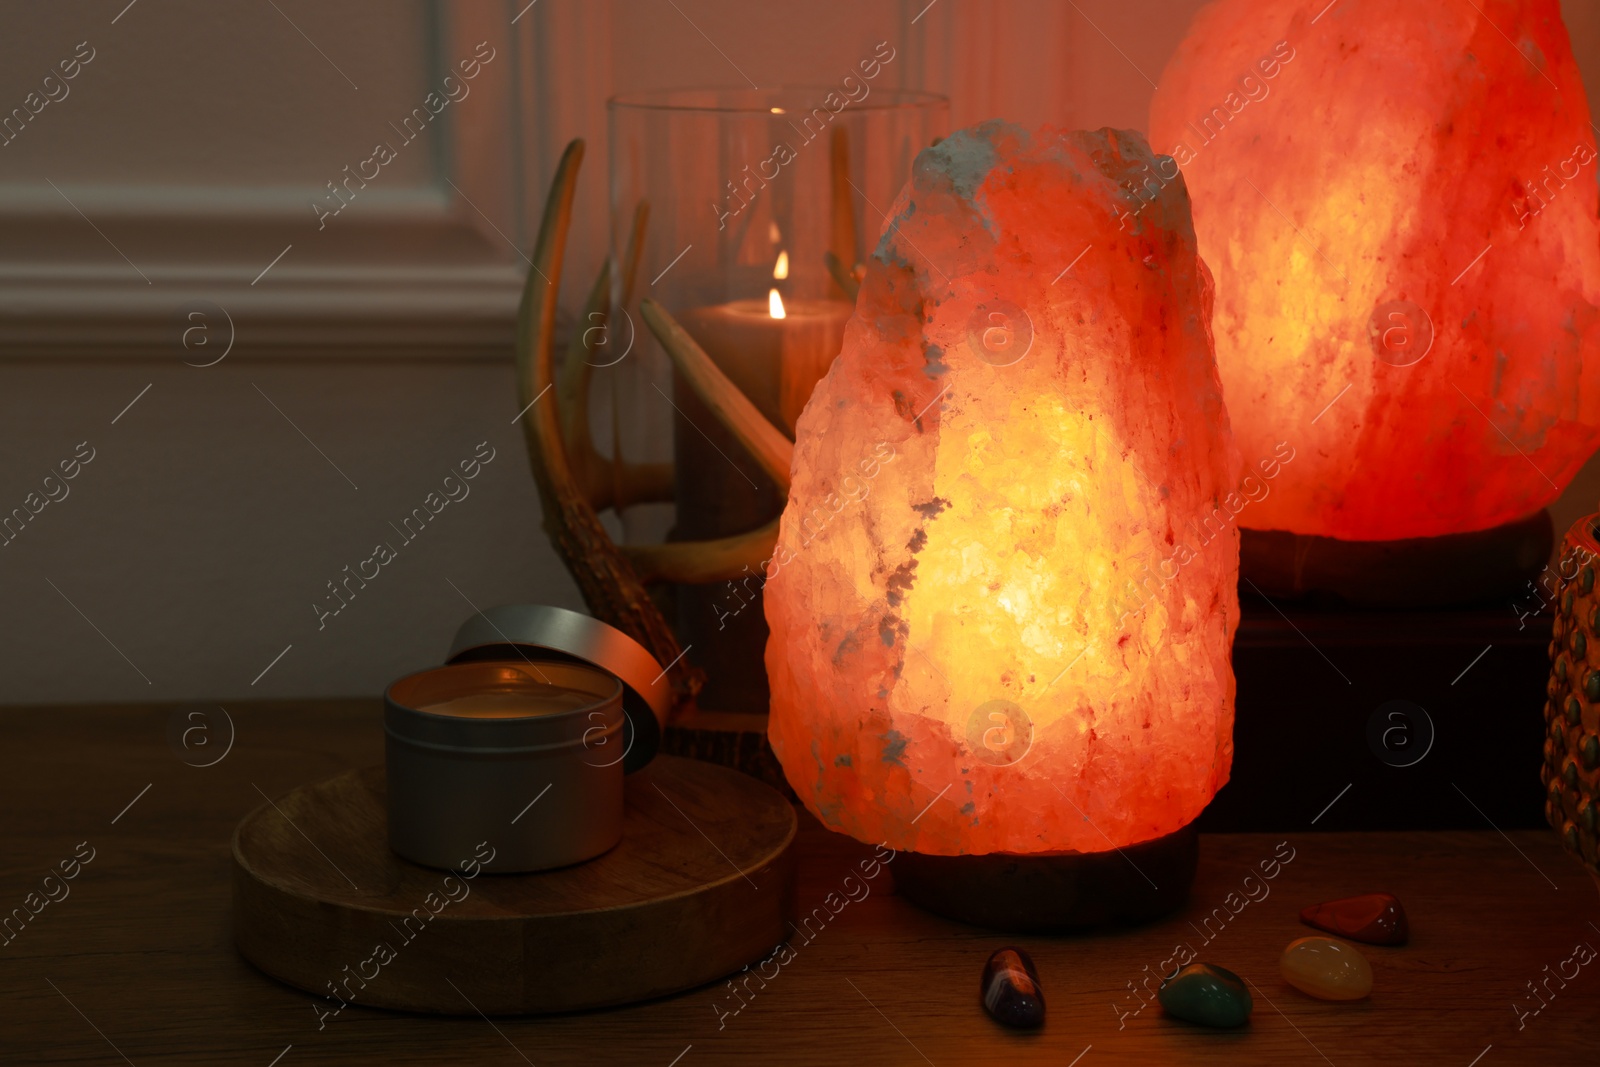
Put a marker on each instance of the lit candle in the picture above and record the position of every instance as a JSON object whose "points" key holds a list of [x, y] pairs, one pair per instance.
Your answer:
{"points": [[775, 351]]}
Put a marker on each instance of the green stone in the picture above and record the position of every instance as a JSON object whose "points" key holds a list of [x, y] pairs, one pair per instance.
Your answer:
{"points": [[1586, 580], [1561, 668], [1589, 816], [1574, 711], [1580, 644], [1566, 602], [1569, 773], [1591, 686], [1208, 995], [1589, 752]]}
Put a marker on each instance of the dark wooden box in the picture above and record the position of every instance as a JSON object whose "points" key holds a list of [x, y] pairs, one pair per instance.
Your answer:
{"points": [[1311, 682]]}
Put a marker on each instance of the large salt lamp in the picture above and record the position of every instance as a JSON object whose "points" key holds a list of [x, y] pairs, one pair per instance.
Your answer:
{"points": [[1398, 201], [994, 631]]}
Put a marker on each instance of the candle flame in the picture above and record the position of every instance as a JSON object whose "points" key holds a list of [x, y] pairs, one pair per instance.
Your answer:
{"points": [[775, 305], [780, 270]]}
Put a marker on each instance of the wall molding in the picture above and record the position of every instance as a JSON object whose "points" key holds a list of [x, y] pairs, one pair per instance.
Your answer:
{"points": [[406, 278], [97, 271]]}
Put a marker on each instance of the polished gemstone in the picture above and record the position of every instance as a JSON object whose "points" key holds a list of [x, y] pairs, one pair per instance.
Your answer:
{"points": [[1010, 990], [1206, 994], [1376, 918], [1326, 969]]}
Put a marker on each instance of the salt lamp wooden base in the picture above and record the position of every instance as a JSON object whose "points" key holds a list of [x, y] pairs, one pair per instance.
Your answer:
{"points": [[1054, 892], [1459, 569], [702, 883]]}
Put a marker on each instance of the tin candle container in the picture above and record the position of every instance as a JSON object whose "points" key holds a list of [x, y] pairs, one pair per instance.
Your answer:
{"points": [[515, 753]]}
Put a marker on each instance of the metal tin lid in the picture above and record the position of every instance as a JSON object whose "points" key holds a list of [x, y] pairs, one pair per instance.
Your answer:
{"points": [[505, 632]]}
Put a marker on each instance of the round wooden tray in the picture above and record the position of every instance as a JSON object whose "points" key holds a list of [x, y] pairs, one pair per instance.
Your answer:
{"points": [[701, 884]]}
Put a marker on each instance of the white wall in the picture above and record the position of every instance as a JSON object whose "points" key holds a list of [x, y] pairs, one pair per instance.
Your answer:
{"points": [[205, 527]]}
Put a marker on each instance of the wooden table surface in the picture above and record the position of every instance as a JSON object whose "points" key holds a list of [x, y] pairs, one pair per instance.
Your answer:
{"points": [[137, 964]]}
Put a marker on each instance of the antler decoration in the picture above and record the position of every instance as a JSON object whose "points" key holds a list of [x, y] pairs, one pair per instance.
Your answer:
{"points": [[576, 482]]}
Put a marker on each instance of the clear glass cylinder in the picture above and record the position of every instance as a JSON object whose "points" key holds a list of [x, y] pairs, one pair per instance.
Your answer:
{"points": [[746, 215]]}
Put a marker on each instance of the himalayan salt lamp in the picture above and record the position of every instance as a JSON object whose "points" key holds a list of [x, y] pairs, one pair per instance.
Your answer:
{"points": [[995, 629], [1398, 202]]}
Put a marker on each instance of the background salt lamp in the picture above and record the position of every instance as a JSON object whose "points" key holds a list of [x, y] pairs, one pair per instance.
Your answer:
{"points": [[1397, 199], [996, 629]]}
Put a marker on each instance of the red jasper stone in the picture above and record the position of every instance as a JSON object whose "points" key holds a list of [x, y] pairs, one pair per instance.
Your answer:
{"points": [[1376, 918]]}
